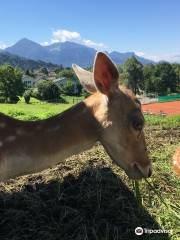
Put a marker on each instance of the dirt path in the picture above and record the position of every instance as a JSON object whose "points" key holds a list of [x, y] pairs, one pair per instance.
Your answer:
{"points": [[170, 108]]}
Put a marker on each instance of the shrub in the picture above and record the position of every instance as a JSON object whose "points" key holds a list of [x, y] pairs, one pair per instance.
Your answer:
{"points": [[27, 96], [35, 93], [68, 88], [48, 91], [13, 99], [2, 99]]}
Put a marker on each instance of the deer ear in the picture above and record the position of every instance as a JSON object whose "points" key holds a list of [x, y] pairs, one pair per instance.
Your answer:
{"points": [[86, 78], [105, 74]]}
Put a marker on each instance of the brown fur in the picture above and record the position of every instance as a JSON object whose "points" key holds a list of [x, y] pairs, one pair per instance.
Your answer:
{"points": [[107, 116]]}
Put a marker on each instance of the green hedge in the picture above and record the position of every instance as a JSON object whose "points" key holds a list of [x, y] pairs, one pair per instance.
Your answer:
{"points": [[168, 98]]}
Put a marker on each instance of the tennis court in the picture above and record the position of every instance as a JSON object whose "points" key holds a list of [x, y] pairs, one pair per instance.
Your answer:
{"points": [[169, 108]]}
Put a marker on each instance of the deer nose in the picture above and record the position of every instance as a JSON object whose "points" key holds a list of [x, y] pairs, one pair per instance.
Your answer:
{"points": [[150, 172], [144, 171]]}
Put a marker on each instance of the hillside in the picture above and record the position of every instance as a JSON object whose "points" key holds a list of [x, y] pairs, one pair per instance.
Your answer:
{"points": [[23, 63], [120, 58]]}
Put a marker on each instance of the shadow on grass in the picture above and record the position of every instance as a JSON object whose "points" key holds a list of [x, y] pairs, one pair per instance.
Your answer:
{"points": [[94, 205]]}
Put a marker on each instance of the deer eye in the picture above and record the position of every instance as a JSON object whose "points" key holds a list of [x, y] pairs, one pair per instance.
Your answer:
{"points": [[138, 125]]}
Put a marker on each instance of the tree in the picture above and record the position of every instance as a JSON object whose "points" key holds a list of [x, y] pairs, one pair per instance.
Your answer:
{"points": [[47, 90], [29, 73], [11, 85], [44, 70], [133, 74], [79, 89], [120, 68], [148, 78], [176, 68], [72, 82], [68, 88], [68, 73], [59, 69], [161, 78], [166, 76], [27, 96]]}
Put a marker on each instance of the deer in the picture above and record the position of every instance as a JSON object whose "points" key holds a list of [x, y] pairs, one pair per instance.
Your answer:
{"points": [[111, 115], [176, 161]]}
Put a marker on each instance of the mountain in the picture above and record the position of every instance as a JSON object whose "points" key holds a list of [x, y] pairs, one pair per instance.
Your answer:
{"points": [[29, 49], [23, 63], [65, 53], [120, 58]]}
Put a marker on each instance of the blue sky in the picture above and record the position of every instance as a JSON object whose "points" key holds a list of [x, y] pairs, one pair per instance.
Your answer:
{"points": [[150, 28]]}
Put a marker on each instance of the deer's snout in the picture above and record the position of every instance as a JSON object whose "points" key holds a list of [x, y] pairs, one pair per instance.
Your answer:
{"points": [[145, 172]]}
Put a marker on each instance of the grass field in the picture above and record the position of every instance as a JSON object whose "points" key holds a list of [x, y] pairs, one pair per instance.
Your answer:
{"points": [[87, 196], [34, 111]]}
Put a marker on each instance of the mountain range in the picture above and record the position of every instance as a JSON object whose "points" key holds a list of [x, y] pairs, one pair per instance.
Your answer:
{"points": [[64, 53]]}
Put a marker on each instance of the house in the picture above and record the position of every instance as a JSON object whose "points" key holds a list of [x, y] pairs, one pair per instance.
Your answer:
{"points": [[31, 79], [40, 75], [28, 80], [52, 75]]}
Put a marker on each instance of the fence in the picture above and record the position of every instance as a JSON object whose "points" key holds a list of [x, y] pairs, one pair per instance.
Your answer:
{"points": [[155, 98], [65, 100], [146, 100], [168, 98]]}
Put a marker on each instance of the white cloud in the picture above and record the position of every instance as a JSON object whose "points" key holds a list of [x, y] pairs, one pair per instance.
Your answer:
{"points": [[45, 43], [63, 35], [90, 43], [54, 41], [3, 45], [174, 58], [139, 53], [166, 57], [159, 57]]}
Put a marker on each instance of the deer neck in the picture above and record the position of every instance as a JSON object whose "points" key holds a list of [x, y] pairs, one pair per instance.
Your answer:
{"points": [[28, 147]]}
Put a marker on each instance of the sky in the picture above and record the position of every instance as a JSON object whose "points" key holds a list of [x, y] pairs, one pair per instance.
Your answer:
{"points": [[149, 28]]}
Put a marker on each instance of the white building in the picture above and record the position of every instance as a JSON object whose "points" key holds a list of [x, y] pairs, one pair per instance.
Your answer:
{"points": [[28, 81]]}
